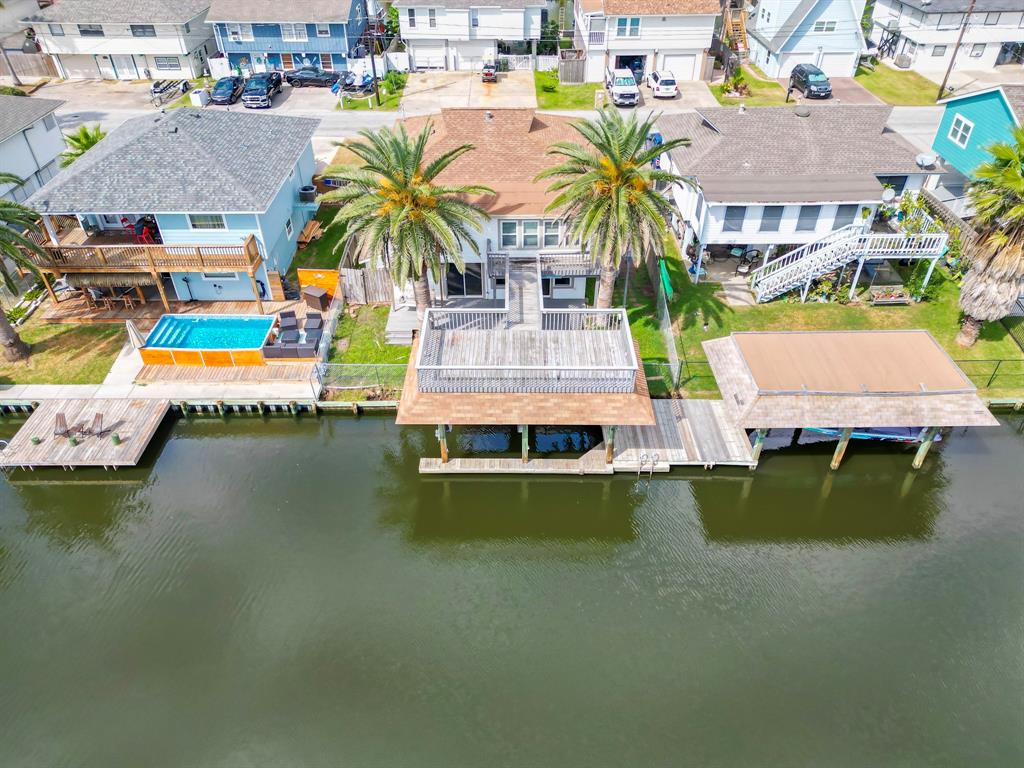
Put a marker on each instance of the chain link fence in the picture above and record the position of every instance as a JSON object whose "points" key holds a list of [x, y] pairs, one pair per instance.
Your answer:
{"points": [[359, 381]]}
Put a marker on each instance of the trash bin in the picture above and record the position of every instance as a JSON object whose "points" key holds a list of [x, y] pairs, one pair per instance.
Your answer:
{"points": [[200, 97], [316, 298]]}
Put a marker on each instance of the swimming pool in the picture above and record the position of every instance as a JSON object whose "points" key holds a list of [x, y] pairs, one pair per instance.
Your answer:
{"points": [[210, 332]]}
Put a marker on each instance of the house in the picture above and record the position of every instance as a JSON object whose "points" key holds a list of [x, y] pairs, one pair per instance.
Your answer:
{"points": [[805, 181], [922, 34], [261, 35], [971, 122], [30, 143], [645, 35], [825, 33], [461, 34], [111, 40], [188, 206]]}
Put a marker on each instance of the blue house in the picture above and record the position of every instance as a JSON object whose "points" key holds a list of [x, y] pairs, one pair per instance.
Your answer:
{"points": [[825, 33], [973, 121], [261, 35], [188, 206]]}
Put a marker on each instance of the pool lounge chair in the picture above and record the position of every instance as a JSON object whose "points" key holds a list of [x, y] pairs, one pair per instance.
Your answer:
{"points": [[60, 426]]}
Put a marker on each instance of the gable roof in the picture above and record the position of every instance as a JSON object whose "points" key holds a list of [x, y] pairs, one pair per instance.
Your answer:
{"points": [[1012, 94], [772, 154], [185, 161], [269, 11], [121, 11], [774, 40], [19, 112]]}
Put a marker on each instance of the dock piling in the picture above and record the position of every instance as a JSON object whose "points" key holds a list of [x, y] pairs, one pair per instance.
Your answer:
{"points": [[926, 444], [844, 441]]}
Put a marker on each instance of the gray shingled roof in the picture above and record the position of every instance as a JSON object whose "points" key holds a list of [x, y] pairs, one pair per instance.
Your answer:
{"points": [[770, 154], [270, 11], [960, 6], [464, 4], [185, 161], [784, 30], [1015, 98], [19, 112], [121, 11]]}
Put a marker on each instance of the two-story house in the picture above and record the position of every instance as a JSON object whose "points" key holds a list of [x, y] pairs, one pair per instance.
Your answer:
{"points": [[30, 143], [110, 40], [971, 122], [825, 33], [261, 35], [188, 206], [645, 35], [922, 34], [462, 34]]}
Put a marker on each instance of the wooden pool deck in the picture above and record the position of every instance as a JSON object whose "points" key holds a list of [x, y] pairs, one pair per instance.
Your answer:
{"points": [[253, 374], [145, 316], [134, 421]]}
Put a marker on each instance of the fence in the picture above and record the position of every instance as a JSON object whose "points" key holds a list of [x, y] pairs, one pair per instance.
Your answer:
{"points": [[665, 326], [323, 350], [994, 374], [510, 62], [356, 376], [366, 286], [572, 71], [29, 66], [545, 63]]}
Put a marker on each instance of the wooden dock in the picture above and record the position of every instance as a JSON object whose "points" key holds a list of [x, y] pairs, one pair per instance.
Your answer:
{"points": [[134, 421], [590, 463]]}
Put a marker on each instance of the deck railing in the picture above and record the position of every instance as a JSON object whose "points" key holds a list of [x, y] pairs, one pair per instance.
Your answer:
{"points": [[148, 258], [568, 262]]}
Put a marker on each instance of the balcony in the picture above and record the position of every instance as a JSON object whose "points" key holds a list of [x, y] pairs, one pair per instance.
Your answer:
{"points": [[553, 263]]}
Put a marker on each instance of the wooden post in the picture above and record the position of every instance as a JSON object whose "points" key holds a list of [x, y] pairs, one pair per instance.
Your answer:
{"points": [[442, 440], [844, 441], [609, 446], [928, 274], [140, 294], [524, 430], [256, 292], [755, 453], [163, 294], [48, 226], [49, 288], [926, 445]]}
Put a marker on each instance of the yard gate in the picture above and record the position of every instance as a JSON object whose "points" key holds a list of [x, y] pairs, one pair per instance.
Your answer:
{"points": [[366, 286]]}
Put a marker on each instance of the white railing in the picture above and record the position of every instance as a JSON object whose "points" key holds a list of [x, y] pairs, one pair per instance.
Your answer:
{"points": [[570, 262], [595, 37]]}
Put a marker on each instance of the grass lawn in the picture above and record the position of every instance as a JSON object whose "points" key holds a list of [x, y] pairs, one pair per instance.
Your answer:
{"points": [[365, 335], [186, 99], [563, 96], [320, 253], [762, 93], [65, 354], [642, 312], [388, 102], [899, 87]]}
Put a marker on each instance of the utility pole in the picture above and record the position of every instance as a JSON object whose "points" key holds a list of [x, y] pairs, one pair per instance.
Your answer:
{"points": [[956, 49], [373, 50]]}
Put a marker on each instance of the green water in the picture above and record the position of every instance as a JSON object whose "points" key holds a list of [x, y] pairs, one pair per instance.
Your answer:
{"points": [[293, 593]]}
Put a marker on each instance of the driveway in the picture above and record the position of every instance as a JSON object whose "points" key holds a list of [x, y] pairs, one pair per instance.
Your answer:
{"points": [[845, 90], [975, 80], [693, 94], [427, 92]]}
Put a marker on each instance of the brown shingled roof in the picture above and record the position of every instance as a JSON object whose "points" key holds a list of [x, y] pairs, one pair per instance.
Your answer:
{"points": [[660, 7]]}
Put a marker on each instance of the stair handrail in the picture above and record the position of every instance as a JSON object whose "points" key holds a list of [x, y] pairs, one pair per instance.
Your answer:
{"points": [[787, 259]]}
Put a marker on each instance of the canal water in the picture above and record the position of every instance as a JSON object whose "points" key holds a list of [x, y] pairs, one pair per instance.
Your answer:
{"points": [[292, 593]]}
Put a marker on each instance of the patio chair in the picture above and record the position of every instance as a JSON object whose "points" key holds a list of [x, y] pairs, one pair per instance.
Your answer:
{"points": [[305, 351], [313, 321], [313, 335], [96, 430], [60, 426], [288, 321], [748, 261]]}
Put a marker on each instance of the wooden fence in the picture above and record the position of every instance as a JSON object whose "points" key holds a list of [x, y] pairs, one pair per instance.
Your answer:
{"points": [[366, 286], [572, 71], [29, 66]]}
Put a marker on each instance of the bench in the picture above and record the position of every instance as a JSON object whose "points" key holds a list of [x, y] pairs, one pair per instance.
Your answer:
{"points": [[312, 231]]}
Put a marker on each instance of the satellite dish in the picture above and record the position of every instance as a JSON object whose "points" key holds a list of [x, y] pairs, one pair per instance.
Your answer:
{"points": [[925, 160], [888, 195]]}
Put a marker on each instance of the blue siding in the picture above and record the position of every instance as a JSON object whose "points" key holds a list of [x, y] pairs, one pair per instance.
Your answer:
{"points": [[279, 245], [267, 41], [993, 121]]}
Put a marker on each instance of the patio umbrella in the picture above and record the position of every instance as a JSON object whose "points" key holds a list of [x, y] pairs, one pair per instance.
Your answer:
{"points": [[135, 335]]}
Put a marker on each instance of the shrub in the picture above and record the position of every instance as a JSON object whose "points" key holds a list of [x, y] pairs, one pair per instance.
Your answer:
{"points": [[914, 283], [10, 90], [33, 294], [16, 313], [395, 81]]}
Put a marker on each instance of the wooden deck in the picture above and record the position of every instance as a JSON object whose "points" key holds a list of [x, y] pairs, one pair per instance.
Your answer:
{"points": [[687, 433], [256, 374], [134, 421], [146, 315], [590, 463]]}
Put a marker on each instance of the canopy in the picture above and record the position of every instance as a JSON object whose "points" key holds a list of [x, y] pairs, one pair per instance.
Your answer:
{"points": [[109, 279]]}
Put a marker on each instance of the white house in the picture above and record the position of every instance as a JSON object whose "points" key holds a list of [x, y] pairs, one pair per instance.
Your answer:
{"points": [[645, 35], [111, 40], [825, 33], [462, 34], [30, 143], [922, 34]]}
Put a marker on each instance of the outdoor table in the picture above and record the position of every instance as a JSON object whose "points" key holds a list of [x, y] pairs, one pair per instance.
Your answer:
{"points": [[316, 298]]}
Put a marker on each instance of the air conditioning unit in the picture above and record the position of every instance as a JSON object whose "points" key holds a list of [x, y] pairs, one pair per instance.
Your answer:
{"points": [[902, 61]]}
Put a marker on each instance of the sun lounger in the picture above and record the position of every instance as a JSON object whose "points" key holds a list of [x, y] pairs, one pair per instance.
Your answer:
{"points": [[60, 426]]}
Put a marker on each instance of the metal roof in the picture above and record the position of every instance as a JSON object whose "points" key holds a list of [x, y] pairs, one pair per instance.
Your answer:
{"points": [[19, 112]]}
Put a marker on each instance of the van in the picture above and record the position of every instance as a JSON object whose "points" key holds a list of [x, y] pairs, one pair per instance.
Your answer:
{"points": [[622, 87]]}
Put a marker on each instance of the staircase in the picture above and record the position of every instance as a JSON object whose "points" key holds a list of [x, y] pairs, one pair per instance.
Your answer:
{"points": [[735, 21], [799, 268], [522, 283]]}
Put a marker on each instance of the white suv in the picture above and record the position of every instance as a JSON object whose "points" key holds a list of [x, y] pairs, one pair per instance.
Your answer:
{"points": [[622, 88], [662, 85]]}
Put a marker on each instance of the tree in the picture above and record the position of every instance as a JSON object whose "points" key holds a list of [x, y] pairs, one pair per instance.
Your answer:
{"points": [[607, 194], [15, 220], [995, 273], [79, 142], [392, 205]]}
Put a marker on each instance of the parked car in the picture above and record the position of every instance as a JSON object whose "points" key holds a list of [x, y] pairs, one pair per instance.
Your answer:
{"points": [[260, 90], [810, 81], [622, 88], [662, 85], [489, 73], [297, 78], [227, 90]]}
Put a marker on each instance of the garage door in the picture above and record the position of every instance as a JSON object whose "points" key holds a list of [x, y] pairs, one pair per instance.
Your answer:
{"points": [[79, 67], [428, 56], [837, 64], [472, 55], [790, 60], [682, 65]]}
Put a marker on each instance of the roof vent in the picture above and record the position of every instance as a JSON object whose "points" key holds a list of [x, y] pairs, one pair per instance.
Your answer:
{"points": [[488, 116], [802, 111], [173, 129]]}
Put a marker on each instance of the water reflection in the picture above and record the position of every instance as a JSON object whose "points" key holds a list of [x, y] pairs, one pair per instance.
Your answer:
{"points": [[566, 442]]}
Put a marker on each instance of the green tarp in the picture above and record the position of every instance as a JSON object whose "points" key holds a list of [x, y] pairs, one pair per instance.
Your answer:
{"points": [[665, 280]]}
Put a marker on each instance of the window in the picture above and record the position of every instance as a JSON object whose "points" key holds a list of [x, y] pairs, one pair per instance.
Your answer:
{"points": [[563, 282], [531, 234], [845, 214], [412, 16], [552, 234], [432, 18], [991, 19], [509, 234], [474, 18], [734, 216], [469, 282], [627, 27], [960, 130], [90, 30], [206, 221], [323, 30], [220, 275], [166, 62], [950, 20], [910, 48], [939, 50], [288, 228], [143, 30], [771, 217], [824, 26], [698, 209], [57, 30], [766, 15], [293, 33], [808, 219], [48, 171], [240, 32], [186, 28], [977, 50]]}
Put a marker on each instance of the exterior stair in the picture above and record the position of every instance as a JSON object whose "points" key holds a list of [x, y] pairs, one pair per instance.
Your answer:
{"points": [[523, 285], [735, 20], [799, 268]]}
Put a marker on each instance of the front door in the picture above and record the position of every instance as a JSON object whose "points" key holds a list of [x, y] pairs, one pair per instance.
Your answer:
{"points": [[124, 67]]}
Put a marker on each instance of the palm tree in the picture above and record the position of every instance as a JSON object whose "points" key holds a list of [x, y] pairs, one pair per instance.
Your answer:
{"points": [[15, 220], [995, 275], [392, 205], [79, 142], [607, 191]]}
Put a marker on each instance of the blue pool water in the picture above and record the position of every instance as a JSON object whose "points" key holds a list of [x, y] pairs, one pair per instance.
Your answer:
{"points": [[210, 332]]}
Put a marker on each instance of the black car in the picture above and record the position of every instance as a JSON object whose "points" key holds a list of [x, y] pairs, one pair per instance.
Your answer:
{"points": [[227, 90], [311, 76], [810, 81], [260, 89]]}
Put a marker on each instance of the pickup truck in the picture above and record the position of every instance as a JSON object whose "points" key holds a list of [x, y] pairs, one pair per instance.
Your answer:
{"points": [[622, 87], [260, 90]]}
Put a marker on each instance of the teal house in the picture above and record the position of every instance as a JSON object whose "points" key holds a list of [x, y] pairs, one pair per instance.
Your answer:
{"points": [[973, 121]]}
